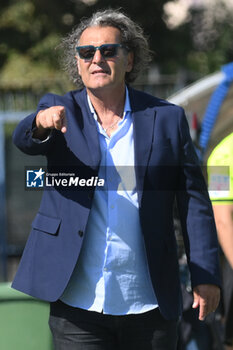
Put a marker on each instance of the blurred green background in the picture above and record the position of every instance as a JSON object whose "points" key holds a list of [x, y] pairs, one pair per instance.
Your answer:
{"points": [[190, 38]]}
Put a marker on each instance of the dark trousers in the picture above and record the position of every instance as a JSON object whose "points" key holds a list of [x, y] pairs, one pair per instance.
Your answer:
{"points": [[78, 329]]}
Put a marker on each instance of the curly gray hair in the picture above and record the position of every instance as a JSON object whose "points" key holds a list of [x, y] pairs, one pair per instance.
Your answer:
{"points": [[132, 37]]}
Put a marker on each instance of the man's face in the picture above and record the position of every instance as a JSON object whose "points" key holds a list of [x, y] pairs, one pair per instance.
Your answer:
{"points": [[99, 72]]}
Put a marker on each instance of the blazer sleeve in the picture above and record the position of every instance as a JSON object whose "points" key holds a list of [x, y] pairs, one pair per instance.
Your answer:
{"points": [[22, 135], [196, 215]]}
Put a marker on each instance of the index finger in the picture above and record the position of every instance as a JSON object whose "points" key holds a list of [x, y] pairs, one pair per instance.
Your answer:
{"points": [[203, 312], [63, 121], [62, 114]]}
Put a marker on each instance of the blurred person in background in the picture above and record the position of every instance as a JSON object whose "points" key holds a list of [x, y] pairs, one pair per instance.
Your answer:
{"points": [[220, 174], [107, 259]]}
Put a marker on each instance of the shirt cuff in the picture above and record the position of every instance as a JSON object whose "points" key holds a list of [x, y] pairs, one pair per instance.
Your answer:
{"points": [[38, 140]]}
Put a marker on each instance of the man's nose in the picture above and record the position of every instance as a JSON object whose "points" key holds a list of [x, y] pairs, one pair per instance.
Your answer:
{"points": [[97, 57]]}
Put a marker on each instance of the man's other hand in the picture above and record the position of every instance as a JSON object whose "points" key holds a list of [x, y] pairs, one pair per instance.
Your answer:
{"points": [[206, 297]]}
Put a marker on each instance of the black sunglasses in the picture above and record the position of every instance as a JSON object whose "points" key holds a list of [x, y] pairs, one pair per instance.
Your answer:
{"points": [[87, 52]]}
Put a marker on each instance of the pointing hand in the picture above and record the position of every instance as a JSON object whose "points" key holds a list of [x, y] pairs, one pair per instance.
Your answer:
{"points": [[50, 118]]}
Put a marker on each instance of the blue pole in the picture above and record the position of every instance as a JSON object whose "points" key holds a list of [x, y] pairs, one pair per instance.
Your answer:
{"points": [[214, 105]]}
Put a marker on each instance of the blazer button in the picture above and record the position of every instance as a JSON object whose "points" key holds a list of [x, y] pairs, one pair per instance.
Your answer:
{"points": [[80, 232]]}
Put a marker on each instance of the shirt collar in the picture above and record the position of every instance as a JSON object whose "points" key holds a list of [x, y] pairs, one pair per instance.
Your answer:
{"points": [[127, 107]]}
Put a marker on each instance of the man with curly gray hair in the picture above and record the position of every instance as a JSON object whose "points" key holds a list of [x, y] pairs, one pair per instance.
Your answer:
{"points": [[105, 258], [132, 37]]}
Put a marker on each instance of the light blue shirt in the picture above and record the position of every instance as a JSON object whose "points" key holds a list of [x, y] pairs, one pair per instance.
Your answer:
{"points": [[111, 275]]}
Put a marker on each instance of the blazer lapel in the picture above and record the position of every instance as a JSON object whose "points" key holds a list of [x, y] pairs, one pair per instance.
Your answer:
{"points": [[143, 138], [143, 120], [89, 129]]}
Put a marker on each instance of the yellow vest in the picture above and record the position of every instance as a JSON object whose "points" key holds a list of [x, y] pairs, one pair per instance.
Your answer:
{"points": [[220, 172]]}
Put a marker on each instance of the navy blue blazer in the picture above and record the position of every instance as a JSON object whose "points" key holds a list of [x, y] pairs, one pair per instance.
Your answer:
{"points": [[166, 169]]}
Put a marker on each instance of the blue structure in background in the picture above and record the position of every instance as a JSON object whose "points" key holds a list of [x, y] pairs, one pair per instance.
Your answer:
{"points": [[214, 105]]}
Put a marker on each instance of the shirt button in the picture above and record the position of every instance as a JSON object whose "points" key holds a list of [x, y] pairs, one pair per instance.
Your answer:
{"points": [[80, 232], [105, 269], [112, 206]]}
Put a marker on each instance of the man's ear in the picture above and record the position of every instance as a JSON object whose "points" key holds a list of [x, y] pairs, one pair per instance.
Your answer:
{"points": [[130, 61]]}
